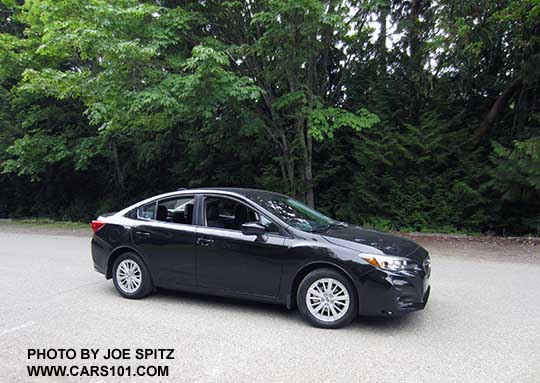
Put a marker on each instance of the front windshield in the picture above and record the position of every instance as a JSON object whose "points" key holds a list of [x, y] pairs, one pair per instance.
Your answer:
{"points": [[293, 212]]}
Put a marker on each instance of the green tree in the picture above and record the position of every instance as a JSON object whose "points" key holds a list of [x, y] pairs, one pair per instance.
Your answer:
{"points": [[296, 53], [103, 103]]}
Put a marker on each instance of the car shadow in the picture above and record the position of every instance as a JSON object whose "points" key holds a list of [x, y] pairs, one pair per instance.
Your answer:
{"points": [[217, 302], [381, 324], [212, 302], [388, 323]]}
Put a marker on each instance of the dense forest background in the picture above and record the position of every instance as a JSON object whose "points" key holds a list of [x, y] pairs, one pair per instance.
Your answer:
{"points": [[406, 115]]}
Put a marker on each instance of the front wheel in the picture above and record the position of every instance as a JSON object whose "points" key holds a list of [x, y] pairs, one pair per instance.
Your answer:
{"points": [[131, 277], [327, 299]]}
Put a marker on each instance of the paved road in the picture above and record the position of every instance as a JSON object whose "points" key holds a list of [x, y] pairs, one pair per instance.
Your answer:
{"points": [[481, 325]]}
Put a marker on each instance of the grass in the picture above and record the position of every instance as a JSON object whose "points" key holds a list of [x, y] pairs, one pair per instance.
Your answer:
{"points": [[49, 224], [385, 225]]}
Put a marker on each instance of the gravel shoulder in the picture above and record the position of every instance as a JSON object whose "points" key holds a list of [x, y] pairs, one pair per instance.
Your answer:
{"points": [[483, 248]]}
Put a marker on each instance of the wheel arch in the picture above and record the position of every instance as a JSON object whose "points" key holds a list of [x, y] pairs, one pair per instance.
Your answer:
{"points": [[305, 270], [118, 252]]}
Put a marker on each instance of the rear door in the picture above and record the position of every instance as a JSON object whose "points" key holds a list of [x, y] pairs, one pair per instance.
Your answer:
{"points": [[166, 235], [230, 261]]}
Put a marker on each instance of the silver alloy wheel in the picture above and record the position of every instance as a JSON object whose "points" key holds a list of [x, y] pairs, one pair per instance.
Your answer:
{"points": [[128, 276], [327, 299]]}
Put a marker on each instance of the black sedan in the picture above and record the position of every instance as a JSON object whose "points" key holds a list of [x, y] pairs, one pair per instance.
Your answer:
{"points": [[263, 246]]}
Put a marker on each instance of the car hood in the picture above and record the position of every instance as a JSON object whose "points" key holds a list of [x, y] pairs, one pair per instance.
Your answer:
{"points": [[370, 241]]}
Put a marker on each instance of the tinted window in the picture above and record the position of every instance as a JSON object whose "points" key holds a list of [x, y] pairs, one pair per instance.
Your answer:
{"points": [[227, 213], [175, 210], [271, 227], [147, 211]]}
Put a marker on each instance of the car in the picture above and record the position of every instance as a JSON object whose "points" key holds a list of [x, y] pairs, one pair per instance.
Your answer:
{"points": [[263, 246]]}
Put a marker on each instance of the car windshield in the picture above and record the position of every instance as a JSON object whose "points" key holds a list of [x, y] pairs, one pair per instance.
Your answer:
{"points": [[294, 212]]}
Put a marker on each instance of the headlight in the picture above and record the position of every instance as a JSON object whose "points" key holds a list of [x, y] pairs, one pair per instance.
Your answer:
{"points": [[388, 262]]}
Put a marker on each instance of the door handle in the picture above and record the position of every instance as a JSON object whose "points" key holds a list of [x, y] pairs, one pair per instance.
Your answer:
{"points": [[142, 234], [204, 241]]}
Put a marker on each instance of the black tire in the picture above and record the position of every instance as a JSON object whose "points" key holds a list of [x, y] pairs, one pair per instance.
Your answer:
{"points": [[315, 275], [145, 287]]}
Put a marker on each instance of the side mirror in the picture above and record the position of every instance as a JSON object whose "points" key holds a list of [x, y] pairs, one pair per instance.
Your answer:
{"points": [[253, 228]]}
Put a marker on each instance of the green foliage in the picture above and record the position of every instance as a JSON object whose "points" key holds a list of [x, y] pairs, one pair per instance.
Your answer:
{"points": [[323, 122], [34, 153], [103, 103], [517, 170]]}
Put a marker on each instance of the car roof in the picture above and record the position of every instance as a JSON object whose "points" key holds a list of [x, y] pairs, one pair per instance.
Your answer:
{"points": [[246, 192]]}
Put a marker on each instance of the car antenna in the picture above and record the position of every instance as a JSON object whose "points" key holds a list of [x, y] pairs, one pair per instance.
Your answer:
{"points": [[180, 189]]}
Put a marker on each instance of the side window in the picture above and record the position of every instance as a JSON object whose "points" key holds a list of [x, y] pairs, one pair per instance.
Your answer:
{"points": [[271, 227], [147, 212], [175, 210], [227, 213]]}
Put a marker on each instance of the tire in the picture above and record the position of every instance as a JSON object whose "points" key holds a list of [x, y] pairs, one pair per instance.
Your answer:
{"points": [[137, 282], [327, 309]]}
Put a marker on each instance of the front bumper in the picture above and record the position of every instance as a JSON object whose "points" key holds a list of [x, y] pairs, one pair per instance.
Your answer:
{"points": [[394, 293]]}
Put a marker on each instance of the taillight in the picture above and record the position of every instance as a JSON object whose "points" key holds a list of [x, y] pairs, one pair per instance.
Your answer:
{"points": [[96, 225]]}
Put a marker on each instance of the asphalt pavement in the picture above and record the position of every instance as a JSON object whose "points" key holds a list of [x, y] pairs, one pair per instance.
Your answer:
{"points": [[482, 324]]}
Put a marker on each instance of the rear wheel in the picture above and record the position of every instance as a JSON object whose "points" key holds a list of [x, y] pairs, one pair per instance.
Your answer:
{"points": [[327, 299], [131, 277]]}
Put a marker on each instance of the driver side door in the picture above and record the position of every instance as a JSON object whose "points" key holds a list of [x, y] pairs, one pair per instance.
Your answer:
{"points": [[232, 262]]}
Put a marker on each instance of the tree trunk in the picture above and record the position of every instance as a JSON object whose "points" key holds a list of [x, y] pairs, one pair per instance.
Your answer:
{"points": [[310, 195], [491, 117], [415, 63], [287, 161], [381, 40], [118, 169], [306, 142]]}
